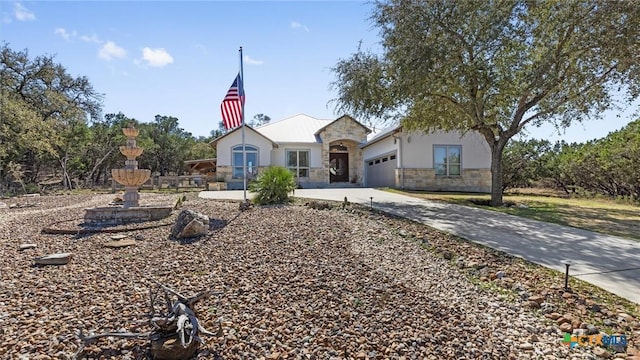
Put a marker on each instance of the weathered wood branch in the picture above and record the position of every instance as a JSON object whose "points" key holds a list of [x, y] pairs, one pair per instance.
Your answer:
{"points": [[88, 339], [179, 322]]}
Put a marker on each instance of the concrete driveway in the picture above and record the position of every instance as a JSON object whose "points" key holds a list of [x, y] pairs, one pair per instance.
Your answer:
{"points": [[609, 262]]}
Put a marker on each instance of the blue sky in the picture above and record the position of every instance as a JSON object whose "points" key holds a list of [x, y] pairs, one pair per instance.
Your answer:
{"points": [[178, 58]]}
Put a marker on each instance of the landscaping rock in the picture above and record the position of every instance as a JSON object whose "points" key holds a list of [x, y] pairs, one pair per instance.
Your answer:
{"points": [[340, 285], [120, 243], [190, 224], [601, 353], [592, 330], [566, 327], [53, 259]]}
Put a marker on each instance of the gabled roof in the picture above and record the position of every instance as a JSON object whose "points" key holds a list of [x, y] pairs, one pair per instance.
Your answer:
{"points": [[294, 129], [383, 134], [247, 127], [299, 128], [340, 118]]}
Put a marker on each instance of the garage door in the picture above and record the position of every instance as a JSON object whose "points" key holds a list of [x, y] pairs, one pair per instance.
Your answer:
{"points": [[381, 171]]}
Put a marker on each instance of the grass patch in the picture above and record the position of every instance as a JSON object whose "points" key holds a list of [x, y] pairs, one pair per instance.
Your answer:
{"points": [[598, 215]]}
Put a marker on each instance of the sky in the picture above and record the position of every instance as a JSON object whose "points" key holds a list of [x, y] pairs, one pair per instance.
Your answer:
{"points": [[179, 58]]}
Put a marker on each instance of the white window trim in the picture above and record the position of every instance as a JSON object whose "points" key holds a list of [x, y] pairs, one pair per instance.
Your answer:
{"points": [[239, 149], [447, 146], [297, 168]]}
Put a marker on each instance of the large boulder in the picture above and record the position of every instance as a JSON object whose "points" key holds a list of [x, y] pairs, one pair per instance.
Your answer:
{"points": [[190, 224]]}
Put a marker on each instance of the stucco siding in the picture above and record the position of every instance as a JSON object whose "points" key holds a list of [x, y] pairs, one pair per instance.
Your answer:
{"points": [[225, 145], [417, 149], [381, 147]]}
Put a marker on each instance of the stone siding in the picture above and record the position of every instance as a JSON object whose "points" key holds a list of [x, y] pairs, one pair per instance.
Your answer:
{"points": [[226, 173], [471, 180], [315, 179], [350, 134]]}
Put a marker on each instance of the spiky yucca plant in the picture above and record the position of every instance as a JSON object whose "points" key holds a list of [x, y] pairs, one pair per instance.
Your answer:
{"points": [[273, 185]]}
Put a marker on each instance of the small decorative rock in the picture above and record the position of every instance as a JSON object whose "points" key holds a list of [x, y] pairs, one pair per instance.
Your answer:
{"points": [[27, 246], [246, 205], [554, 316], [525, 346], [120, 243], [533, 304], [53, 259], [566, 327], [171, 349], [592, 330], [118, 237], [601, 353], [537, 298]]}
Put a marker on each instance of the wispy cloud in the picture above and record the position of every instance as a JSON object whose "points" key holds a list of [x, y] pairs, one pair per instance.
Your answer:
{"points": [[110, 51], [93, 38], [22, 13], [63, 33], [247, 59], [298, 25], [156, 57]]}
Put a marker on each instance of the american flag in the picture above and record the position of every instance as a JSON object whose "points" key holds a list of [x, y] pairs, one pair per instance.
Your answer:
{"points": [[232, 105]]}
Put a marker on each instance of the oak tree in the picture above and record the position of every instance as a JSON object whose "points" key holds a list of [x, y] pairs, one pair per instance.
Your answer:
{"points": [[494, 66]]}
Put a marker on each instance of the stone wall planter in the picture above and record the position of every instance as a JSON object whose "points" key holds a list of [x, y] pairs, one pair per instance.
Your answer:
{"points": [[217, 186]]}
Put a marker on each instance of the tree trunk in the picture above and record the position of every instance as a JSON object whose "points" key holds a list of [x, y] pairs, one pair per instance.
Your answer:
{"points": [[96, 167], [496, 172]]}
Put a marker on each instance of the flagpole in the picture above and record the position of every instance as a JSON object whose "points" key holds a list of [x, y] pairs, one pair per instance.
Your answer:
{"points": [[244, 152]]}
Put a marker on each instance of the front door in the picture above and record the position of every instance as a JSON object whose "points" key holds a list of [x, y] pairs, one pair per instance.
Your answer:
{"points": [[338, 167]]}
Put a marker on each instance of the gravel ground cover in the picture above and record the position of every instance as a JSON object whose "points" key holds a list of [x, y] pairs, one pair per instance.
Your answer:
{"points": [[295, 283]]}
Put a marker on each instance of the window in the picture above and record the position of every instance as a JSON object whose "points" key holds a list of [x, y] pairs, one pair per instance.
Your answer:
{"points": [[338, 148], [252, 160], [298, 162], [446, 160]]}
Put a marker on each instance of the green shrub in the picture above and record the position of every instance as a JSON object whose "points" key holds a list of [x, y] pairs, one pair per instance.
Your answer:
{"points": [[31, 188], [273, 185]]}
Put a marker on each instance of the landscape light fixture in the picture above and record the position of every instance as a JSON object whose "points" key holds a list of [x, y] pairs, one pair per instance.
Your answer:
{"points": [[567, 263]]}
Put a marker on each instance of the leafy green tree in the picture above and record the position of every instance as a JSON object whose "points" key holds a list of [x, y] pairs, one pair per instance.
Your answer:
{"points": [[608, 166], [102, 151], [494, 67], [259, 120], [554, 165], [24, 138], [273, 185], [169, 147], [40, 105], [200, 149], [524, 162], [70, 142]]}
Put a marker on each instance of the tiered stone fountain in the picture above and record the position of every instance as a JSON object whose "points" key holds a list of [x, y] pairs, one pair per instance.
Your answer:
{"points": [[131, 177]]}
